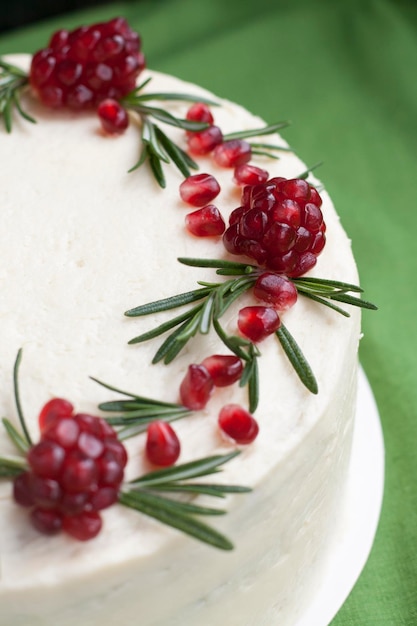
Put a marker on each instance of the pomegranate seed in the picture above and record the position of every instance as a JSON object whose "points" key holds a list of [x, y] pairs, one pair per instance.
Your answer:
{"points": [[46, 459], [247, 174], [199, 189], [205, 222], [116, 450], [84, 526], [296, 189], [277, 290], [110, 472], [73, 503], [257, 322], [232, 153], [238, 424], [204, 141], [312, 217], [63, 432], [224, 369], [303, 264], [46, 493], [58, 40], [113, 117], [200, 112], [22, 491], [79, 472], [46, 521], [53, 410], [162, 444], [196, 387], [103, 497]]}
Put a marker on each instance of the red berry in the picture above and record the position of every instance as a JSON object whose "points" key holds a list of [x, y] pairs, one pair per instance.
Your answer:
{"points": [[224, 369], [74, 503], [200, 112], [64, 432], [116, 450], [103, 497], [247, 174], [46, 521], [277, 290], [53, 410], [79, 472], [257, 322], [113, 117], [279, 224], [81, 68], [46, 493], [22, 489], [204, 141], [232, 153], [162, 444], [90, 445], [110, 472], [205, 222], [46, 459], [238, 424], [84, 526], [199, 189], [196, 387]]}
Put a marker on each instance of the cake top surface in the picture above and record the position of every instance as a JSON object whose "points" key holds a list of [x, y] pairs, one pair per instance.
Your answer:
{"points": [[84, 241]]}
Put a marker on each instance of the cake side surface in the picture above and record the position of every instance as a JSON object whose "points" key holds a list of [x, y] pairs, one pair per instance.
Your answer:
{"points": [[84, 241]]}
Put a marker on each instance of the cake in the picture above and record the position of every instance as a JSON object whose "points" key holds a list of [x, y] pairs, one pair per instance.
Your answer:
{"points": [[83, 241]]}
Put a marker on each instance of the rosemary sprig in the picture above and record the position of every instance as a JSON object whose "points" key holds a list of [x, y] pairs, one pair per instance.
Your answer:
{"points": [[213, 301], [11, 467], [145, 494], [17, 398], [12, 81], [134, 414]]}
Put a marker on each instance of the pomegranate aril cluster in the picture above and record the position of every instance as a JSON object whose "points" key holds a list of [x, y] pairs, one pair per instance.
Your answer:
{"points": [[279, 225], [81, 68], [75, 471]]}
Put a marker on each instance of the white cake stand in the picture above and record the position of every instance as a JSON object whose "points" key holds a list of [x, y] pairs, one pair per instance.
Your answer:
{"points": [[356, 530]]}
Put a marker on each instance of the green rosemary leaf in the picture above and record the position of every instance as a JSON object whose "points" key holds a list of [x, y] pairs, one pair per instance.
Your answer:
{"points": [[137, 428], [265, 153], [326, 282], [211, 489], [120, 406], [206, 315], [156, 167], [257, 132], [235, 344], [178, 156], [166, 304], [117, 390], [12, 81], [22, 112], [192, 326], [19, 441], [250, 377], [175, 506], [10, 467], [348, 299], [168, 96], [297, 359], [167, 118], [146, 415], [162, 328], [150, 137], [270, 146], [236, 289], [185, 471], [184, 523], [308, 171], [171, 346], [17, 398], [217, 263], [324, 301], [142, 158]]}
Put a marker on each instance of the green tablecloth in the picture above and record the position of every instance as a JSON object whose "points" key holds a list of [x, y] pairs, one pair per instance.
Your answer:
{"points": [[345, 74]]}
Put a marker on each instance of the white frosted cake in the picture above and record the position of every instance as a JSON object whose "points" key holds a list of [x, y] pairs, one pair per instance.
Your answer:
{"points": [[83, 241]]}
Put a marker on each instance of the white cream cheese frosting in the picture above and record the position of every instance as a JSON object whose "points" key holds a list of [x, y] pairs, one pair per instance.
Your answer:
{"points": [[82, 241]]}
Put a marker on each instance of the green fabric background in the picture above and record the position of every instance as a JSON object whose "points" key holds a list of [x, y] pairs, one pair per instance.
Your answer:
{"points": [[345, 74]]}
